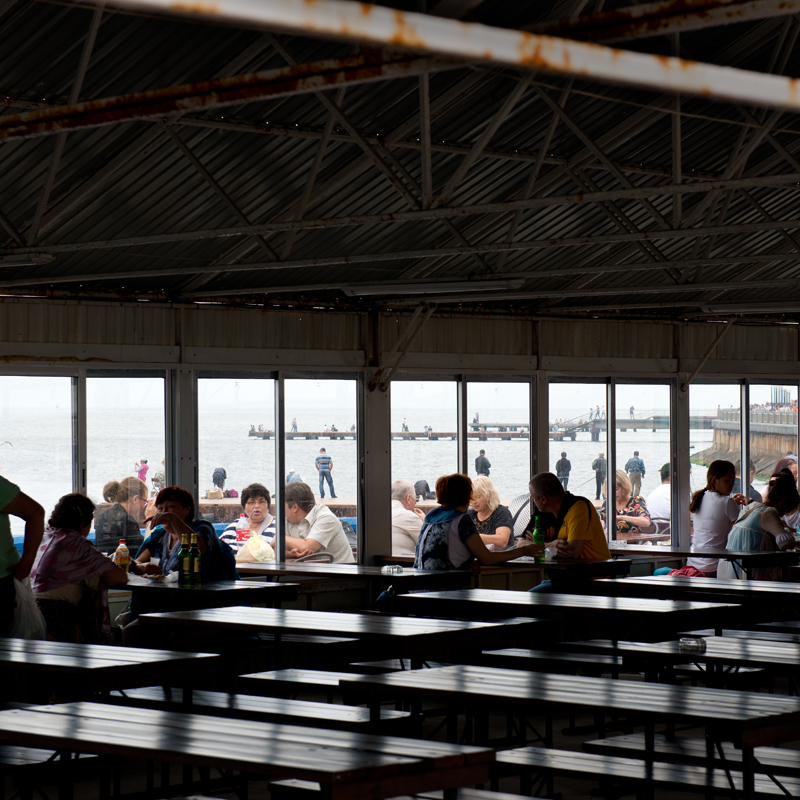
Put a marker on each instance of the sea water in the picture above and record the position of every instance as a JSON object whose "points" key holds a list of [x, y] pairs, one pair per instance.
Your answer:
{"points": [[36, 450]]}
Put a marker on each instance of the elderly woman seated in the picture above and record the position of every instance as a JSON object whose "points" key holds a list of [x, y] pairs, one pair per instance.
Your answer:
{"points": [[632, 514], [173, 518], [70, 578], [492, 520]]}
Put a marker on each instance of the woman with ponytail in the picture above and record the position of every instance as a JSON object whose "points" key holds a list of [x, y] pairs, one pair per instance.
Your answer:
{"points": [[713, 513]]}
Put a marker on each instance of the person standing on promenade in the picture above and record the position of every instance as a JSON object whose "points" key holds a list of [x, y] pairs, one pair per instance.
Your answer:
{"points": [[563, 468], [324, 465], [482, 464], [600, 468], [635, 469], [631, 412]]}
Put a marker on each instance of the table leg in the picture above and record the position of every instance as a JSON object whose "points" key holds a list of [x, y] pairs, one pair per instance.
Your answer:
{"points": [[66, 782], [748, 779]]}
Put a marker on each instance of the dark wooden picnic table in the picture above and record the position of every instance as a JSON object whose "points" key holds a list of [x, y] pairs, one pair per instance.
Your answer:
{"points": [[376, 635], [409, 579], [619, 618], [722, 654], [761, 600], [748, 719], [348, 766], [747, 560], [33, 670], [211, 594]]}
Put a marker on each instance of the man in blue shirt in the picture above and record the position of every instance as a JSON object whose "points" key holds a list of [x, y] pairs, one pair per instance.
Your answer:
{"points": [[635, 469], [324, 465]]}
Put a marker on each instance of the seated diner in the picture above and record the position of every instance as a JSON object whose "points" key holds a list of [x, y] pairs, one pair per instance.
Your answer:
{"points": [[760, 528], [174, 517], [121, 519], [70, 578], [632, 515], [449, 538], [313, 528], [256, 503], [493, 521]]}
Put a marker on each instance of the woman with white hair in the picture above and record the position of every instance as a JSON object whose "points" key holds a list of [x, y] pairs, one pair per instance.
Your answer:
{"points": [[492, 521], [406, 518]]}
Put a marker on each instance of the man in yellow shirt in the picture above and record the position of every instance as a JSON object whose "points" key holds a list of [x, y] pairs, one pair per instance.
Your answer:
{"points": [[579, 531]]}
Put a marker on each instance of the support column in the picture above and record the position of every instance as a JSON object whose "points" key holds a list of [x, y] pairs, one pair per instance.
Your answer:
{"points": [[375, 473], [79, 433], [540, 424], [181, 460], [462, 420], [279, 501], [680, 485]]}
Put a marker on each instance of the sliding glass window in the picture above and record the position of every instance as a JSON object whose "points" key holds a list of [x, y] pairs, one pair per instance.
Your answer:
{"points": [[499, 425], [36, 438], [643, 450], [773, 433], [235, 442], [577, 431]]}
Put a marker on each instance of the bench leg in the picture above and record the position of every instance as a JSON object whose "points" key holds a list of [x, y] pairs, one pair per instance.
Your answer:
{"points": [[748, 779], [66, 783]]}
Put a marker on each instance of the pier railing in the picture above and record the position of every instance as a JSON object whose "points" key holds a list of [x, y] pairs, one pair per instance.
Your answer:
{"points": [[761, 416]]}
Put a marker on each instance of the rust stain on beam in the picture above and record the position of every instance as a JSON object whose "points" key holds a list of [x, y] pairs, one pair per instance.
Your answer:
{"points": [[297, 79]]}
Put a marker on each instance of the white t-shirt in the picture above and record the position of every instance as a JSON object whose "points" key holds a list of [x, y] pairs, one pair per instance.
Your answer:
{"points": [[406, 526], [712, 524], [659, 502], [323, 526]]}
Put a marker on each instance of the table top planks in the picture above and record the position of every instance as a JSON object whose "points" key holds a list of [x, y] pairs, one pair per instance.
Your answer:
{"points": [[747, 718], [349, 765]]}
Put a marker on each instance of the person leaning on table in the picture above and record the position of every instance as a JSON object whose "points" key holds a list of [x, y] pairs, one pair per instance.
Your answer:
{"points": [[312, 528], [449, 539], [579, 533]]}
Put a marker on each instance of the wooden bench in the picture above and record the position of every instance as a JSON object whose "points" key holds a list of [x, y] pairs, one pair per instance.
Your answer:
{"points": [[267, 709], [684, 750], [29, 767], [551, 661], [527, 761], [308, 790], [286, 682]]}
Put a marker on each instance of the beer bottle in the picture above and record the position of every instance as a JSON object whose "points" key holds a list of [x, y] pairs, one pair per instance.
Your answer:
{"points": [[194, 552], [538, 536], [184, 563]]}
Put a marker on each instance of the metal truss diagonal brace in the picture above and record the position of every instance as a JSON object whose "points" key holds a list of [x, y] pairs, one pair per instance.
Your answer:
{"points": [[719, 337], [401, 347]]}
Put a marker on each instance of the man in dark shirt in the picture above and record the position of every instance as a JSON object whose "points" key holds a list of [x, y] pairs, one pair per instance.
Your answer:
{"points": [[482, 465], [563, 468], [600, 468]]}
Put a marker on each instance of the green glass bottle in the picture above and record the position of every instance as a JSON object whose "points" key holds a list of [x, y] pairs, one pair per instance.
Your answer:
{"points": [[537, 536], [194, 552], [184, 562]]}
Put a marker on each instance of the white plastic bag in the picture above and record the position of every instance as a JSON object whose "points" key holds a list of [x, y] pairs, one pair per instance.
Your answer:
{"points": [[28, 620], [256, 548]]}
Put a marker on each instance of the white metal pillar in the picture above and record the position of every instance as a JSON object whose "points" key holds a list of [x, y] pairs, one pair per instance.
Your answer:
{"points": [[279, 501], [182, 442], [462, 421], [375, 473], [79, 433], [679, 469], [540, 424]]}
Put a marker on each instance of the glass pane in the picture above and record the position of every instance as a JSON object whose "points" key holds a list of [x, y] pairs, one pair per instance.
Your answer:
{"points": [[714, 432], [36, 446], [235, 441], [773, 433], [321, 416], [643, 449], [125, 438], [424, 443], [499, 425], [578, 428]]}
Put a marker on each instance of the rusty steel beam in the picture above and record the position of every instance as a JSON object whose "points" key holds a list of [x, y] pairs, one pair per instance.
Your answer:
{"points": [[299, 79], [363, 22], [670, 16]]}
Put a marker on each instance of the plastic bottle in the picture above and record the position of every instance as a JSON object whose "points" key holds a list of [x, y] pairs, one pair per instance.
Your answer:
{"points": [[242, 529], [184, 563], [122, 556], [194, 552], [537, 536]]}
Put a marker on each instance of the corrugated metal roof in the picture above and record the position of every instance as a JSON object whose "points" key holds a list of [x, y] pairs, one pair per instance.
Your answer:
{"points": [[131, 179]]}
